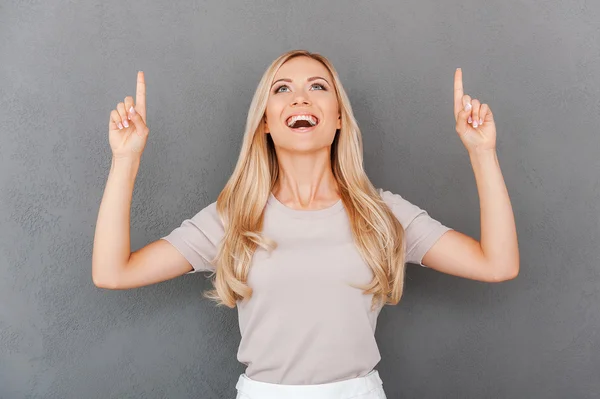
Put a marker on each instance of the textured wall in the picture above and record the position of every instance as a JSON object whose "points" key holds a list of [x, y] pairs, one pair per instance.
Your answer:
{"points": [[65, 65]]}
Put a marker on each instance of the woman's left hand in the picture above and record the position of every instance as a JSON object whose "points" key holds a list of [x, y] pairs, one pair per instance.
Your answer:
{"points": [[474, 121]]}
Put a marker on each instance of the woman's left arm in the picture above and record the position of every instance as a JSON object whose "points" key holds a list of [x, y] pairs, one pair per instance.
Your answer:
{"points": [[496, 257]]}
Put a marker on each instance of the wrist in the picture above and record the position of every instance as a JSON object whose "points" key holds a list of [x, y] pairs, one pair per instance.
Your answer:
{"points": [[487, 153], [129, 165]]}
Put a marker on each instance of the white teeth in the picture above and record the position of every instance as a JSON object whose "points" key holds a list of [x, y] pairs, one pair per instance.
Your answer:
{"points": [[311, 119]]}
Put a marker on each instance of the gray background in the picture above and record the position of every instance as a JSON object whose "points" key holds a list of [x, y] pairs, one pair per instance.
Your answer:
{"points": [[65, 65]]}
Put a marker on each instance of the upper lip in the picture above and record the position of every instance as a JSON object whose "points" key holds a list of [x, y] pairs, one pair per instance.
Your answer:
{"points": [[301, 113]]}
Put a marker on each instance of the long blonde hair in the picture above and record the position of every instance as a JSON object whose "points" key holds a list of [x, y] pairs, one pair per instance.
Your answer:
{"points": [[377, 233]]}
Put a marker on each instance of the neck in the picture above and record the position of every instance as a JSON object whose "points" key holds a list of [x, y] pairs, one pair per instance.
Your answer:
{"points": [[306, 180]]}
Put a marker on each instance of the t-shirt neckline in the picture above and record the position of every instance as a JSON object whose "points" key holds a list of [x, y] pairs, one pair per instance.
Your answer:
{"points": [[305, 213]]}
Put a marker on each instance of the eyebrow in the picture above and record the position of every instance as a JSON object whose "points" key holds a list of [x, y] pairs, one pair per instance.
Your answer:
{"points": [[308, 80]]}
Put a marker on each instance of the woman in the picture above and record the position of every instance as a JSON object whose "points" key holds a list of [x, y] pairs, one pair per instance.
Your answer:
{"points": [[308, 280]]}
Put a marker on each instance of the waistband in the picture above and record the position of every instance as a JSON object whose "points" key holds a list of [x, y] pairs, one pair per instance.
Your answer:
{"points": [[338, 389]]}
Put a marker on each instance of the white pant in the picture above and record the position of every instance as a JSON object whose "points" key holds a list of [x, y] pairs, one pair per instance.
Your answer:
{"points": [[367, 387]]}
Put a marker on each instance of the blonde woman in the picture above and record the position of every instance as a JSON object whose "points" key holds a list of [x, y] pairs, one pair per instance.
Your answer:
{"points": [[299, 240]]}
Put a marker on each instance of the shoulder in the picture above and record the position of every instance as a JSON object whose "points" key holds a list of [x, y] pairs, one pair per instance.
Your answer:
{"points": [[207, 221], [404, 210], [209, 214], [391, 198]]}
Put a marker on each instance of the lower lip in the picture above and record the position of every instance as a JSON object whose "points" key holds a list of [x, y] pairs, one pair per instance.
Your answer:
{"points": [[303, 129]]}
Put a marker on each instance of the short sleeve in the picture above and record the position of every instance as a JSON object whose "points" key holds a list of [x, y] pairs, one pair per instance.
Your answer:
{"points": [[421, 230], [198, 238]]}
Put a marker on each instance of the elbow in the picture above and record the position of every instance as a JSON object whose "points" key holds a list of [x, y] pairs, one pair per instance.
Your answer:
{"points": [[511, 274], [105, 285], [102, 282]]}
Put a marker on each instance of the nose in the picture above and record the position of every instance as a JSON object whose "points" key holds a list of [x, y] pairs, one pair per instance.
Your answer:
{"points": [[300, 98], [300, 101]]}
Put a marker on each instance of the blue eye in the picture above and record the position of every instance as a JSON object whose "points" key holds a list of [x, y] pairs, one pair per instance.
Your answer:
{"points": [[314, 84]]}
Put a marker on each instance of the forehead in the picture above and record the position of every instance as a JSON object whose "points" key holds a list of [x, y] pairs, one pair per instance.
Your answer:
{"points": [[300, 68]]}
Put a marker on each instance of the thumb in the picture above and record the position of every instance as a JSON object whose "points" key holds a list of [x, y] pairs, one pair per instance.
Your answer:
{"points": [[140, 127]]}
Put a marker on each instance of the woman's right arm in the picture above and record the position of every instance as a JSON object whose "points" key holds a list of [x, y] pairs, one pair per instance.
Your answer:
{"points": [[113, 264]]}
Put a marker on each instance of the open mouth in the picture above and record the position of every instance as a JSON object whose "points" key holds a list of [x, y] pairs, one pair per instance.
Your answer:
{"points": [[302, 123]]}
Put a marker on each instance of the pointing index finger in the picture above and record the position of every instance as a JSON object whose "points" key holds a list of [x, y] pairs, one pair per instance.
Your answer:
{"points": [[140, 95], [458, 91]]}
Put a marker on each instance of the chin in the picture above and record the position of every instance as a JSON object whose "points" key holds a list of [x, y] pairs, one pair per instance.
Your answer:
{"points": [[314, 140]]}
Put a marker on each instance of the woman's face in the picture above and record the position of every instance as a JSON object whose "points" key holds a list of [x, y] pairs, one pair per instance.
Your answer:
{"points": [[302, 86]]}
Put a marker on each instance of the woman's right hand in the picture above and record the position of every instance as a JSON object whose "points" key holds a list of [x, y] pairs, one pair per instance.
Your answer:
{"points": [[129, 141]]}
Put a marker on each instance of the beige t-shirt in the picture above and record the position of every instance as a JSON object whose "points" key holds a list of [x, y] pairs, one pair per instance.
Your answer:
{"points": [[304, 324]]}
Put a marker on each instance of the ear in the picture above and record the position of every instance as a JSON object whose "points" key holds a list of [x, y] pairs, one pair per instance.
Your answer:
{"points": [[339, 122], [266, 125]]}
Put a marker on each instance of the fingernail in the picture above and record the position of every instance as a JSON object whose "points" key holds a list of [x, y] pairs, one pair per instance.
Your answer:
{"points": [[481, 121], [132, 110], [125, 123], [120, 125], [468, 107], [475, 124], [470, 119]]}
